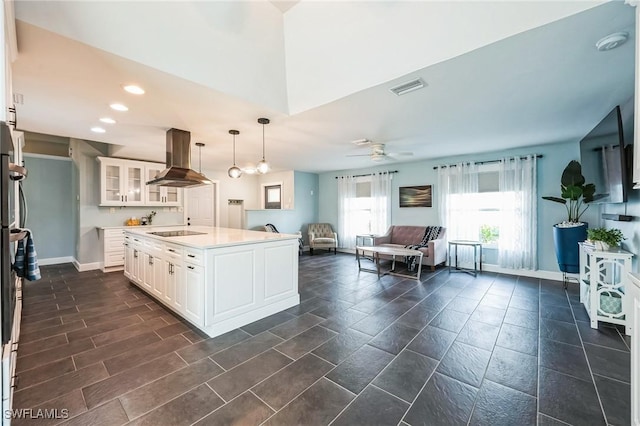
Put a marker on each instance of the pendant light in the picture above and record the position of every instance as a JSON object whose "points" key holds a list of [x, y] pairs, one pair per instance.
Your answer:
{"points": [[263, 166], [234, 171]]}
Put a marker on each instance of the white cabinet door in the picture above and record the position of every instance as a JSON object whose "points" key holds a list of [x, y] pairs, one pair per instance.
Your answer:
{"points": [[159, 277], [178, 283], [169, 281], [160, 195], [194, 288], [128, 260], [138, 265], [121, 182], [148, 276]]}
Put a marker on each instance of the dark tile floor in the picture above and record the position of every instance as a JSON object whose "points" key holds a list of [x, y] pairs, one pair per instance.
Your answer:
{"points": [[451, 349]]}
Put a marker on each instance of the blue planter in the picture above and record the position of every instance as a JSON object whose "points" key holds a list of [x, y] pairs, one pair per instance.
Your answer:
{"points": [[567, 250]]}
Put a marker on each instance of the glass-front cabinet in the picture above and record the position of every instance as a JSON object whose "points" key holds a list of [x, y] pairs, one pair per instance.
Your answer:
{"points": [[124, 183], [121, 182], [160, 195]]}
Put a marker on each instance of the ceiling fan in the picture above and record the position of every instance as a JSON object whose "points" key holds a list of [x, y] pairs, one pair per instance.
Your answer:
{"points": [[378, 152]]}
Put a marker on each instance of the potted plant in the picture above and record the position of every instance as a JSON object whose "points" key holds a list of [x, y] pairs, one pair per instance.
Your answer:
{"points": [[603, 238], [576, 195]]}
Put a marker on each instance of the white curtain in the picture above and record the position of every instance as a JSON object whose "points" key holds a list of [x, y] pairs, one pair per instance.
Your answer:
{"points": [[456, 210], [454, 181], [380, 202], [346, 199], [517, 247]]}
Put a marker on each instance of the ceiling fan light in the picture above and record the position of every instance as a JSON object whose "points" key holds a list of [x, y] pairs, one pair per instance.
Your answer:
{"points": [[262, 167], [235, 172]]}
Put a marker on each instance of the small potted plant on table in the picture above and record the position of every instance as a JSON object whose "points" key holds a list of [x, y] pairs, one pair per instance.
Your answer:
{"points": [[603, 238]]}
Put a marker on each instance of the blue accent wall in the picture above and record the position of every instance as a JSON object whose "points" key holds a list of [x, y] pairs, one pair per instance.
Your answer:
{"points": [[550, 167], [50, 198], [305, 211]]}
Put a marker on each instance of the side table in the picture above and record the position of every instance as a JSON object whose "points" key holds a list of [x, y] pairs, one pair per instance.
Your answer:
{"points": [[477, 248]]}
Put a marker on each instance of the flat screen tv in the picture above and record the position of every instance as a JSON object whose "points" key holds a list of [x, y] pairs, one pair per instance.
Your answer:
{"points": [[604, 160]]}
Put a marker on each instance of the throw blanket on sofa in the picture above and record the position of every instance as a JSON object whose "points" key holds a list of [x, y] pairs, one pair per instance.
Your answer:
{"points": [[431, 233], [272, 228]]}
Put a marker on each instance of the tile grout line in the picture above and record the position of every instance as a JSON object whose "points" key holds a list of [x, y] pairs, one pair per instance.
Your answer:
{"points": [[584, 351]]}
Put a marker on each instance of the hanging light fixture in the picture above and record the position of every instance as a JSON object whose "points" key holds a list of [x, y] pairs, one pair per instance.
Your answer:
{"points": [[263, 166], [234, 171]]}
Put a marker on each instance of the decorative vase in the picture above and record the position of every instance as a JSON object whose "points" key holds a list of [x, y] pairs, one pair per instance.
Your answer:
{"points": [[566, 241], [601, 245]]}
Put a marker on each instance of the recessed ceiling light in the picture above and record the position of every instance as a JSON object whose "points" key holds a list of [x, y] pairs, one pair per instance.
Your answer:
{"points": [[612, 41], [119, 107], [108, 120], [98, 130], [132, 88]]}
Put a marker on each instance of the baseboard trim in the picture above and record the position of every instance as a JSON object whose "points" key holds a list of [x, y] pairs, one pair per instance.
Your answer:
{"points": [[82, 267], [55, 260], [539, 273]]}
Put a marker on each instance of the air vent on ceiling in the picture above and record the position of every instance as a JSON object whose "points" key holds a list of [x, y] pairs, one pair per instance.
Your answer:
{"points": [[361, 142], [409, 86]]}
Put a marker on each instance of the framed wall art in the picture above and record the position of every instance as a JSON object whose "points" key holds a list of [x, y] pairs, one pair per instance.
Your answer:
{"points": [[416, 196]]}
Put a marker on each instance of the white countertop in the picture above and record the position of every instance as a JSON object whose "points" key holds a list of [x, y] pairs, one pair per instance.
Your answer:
{"points": [[213, 237], [635, 278], [137, 226]]}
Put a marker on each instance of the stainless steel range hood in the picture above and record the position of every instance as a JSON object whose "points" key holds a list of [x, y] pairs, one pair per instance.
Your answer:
{"points": [[178, 172]]}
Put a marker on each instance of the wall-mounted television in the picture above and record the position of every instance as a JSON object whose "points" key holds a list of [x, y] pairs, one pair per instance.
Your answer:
{"points": [[604, 159]]}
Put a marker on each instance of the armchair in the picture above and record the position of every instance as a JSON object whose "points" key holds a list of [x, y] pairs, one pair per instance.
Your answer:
{"points": [[321, 235]]}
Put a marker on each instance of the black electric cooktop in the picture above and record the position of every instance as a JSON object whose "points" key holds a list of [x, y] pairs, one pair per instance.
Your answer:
{"points": [[176, 233]]}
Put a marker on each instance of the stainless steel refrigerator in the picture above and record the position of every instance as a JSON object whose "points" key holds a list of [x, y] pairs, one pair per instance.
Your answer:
{"points": [[10, 174]]}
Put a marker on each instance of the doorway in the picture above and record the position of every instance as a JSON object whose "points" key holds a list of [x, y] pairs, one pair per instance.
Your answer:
{"points": [[202, 205]]}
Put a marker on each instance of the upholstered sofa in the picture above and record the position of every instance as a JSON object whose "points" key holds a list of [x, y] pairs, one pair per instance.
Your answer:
{"points": [[434, 252]]}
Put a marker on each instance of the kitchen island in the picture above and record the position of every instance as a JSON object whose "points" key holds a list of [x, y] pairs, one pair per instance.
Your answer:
{"points": [[218, 279]]}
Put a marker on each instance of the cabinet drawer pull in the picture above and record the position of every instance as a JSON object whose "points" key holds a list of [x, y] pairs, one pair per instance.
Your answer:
{"points": [[190, 255], [171, 250], [190, 267], [135, 253], [150, 260]]}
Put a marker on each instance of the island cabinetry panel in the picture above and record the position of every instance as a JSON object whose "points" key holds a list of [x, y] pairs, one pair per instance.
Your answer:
{"points": [[235, 266], [277, 260], [217, 289]]}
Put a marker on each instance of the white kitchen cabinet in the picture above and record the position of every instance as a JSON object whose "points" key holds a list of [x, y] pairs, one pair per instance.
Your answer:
{"points": [[147, 277], [121, 182], [636, 144], [113, 246], [128, 257], [160, 195], [194, 289]]}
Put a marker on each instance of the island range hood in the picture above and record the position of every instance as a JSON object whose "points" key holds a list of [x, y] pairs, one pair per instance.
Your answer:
{"points": [[178, 172]]}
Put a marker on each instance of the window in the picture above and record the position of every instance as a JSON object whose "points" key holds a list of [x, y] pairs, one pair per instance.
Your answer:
{"points": [[273, 197], [483, 214]]}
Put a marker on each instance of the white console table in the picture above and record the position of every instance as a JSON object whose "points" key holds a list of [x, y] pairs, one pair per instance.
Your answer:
{"points": [[604, 281], [634, 301]]}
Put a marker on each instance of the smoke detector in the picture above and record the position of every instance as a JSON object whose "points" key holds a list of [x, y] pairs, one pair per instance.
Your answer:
{"points": [[612, 41]]}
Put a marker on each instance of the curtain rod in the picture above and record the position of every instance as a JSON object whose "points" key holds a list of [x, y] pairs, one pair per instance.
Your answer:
{"points": [[388, 171], [486, 162]]}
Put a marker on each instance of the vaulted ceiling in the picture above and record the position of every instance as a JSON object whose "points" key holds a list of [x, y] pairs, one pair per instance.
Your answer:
{"points": [[498, 75]]}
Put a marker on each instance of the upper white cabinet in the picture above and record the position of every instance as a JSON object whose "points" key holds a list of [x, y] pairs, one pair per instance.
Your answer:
{"points": [[160, 195], [123, 183]]}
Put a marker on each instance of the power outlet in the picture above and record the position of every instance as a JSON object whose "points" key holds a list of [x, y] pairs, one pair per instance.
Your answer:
{"points": [[112, 210]]}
